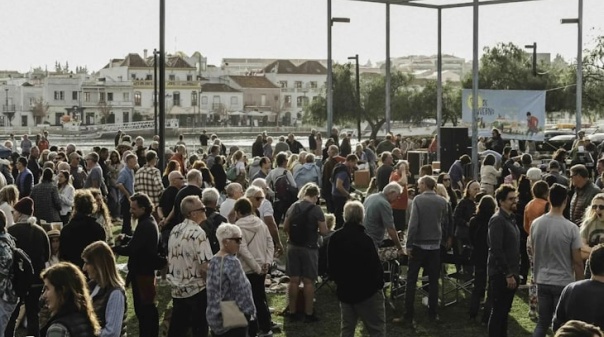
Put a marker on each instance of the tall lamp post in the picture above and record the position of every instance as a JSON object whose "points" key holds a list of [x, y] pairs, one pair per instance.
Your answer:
{"points": [[579, 22], [358, 84], [155, 53], [534, 48], [330, 22]]}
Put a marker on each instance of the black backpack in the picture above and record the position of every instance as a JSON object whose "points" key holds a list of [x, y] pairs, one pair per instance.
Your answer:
{"points": [[284, 191], [209, 227], [22, 271], [299, 228]]}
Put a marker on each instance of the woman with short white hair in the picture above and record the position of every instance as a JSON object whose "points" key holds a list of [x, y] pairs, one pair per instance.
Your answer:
{"points": [[226, 281]]}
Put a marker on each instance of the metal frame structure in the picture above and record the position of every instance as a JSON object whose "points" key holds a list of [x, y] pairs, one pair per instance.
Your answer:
{"points": [[439, 5]]}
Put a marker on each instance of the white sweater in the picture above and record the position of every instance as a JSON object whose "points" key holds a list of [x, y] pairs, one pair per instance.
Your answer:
{"points": [[257, 245], [489, 175]]}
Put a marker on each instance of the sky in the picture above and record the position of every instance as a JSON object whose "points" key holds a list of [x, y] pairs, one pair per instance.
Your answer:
{"points": [[91, 32]]}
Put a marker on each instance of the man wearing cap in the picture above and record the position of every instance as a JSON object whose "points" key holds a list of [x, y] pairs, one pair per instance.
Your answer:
{"points": [[148, 179], [32, 239], [554, 171], [585, 191]]}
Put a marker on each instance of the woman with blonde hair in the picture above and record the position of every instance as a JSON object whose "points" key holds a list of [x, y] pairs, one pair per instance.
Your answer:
{"points": [[68, 300], [106, 288], [592, 228], [101, 213], [238, 162], [291, 162], [9, 195]]}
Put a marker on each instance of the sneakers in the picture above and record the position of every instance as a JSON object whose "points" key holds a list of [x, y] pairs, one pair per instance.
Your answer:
{"points": [[265, 334]]}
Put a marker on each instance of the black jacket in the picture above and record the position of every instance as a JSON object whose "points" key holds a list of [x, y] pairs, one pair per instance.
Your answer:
{"points": [[77, 323], [463, 213], [141, 247], [257, 149], [353, 263], [479, 230], [81, 231], [34, 241]]}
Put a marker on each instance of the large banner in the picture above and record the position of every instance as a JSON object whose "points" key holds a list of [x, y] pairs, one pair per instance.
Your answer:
{"points": [[518, 114]]}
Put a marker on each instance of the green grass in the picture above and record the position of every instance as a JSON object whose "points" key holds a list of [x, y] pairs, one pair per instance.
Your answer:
{"points": [[454, 321]]}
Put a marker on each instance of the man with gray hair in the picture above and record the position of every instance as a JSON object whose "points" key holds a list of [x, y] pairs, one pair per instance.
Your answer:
{"points": [[189, 252], [378, 217], [210, 197], [195, 182], [234, 191], [281, 145], [354, 265], [423, 245]]}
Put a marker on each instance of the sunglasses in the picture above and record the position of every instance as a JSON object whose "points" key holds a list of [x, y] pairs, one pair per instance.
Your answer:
{"points": [[237, 240], [599, 207]]}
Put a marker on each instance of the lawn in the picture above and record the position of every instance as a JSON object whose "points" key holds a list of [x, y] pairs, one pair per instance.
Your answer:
{"points": [[453, 318]]}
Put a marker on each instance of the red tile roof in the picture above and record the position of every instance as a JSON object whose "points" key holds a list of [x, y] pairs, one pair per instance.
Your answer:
{"points": [[253, 82], [217, 87], [312, 68]]}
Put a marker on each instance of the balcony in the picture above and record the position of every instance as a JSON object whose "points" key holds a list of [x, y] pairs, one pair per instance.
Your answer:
{"points": [[8, 108], [169, 84]]}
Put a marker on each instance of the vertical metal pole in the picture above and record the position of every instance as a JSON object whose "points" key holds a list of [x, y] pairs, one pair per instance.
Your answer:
{"points": [[534, 58], [387, 67], [162, 83], [359, 109], [155, 90], [475, 93], [439, 85], [579, 112], [329, 73]]}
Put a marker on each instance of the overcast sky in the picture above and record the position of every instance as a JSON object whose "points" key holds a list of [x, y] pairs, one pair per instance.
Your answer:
{"points": [[90, 32]]}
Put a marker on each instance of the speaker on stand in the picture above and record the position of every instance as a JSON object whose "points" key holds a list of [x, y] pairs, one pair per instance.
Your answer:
{"points": [[454, 143]]}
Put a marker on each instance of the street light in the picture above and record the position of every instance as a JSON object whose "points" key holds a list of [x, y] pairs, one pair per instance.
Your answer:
{"points": [[579, 22], [356, 59], [534, 48], [330, 22]]}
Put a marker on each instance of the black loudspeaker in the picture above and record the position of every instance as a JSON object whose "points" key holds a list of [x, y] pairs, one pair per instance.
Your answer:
{"points": [[416, 160], [454, 143]]}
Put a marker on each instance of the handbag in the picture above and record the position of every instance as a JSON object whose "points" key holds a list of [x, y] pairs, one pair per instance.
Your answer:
{"points": [[232, 317]]}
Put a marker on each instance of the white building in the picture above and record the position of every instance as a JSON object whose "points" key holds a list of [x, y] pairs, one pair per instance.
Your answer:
{"points": [[18, 97]]}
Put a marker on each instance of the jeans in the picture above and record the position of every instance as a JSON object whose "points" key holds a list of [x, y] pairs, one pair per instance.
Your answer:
{"points": [[6, 311], [143, 295], [372, 313], [548, 296], [502, 299], [32, 308], [480, 285], [430, 261], [189, 312], [126, 216], [263, 314]]}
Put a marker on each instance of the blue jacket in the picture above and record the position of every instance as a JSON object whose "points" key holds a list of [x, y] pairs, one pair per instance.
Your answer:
{"points": [[308, 173]]}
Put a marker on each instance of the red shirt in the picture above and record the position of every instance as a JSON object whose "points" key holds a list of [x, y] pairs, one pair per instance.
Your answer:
{"points": [[402, 201]]}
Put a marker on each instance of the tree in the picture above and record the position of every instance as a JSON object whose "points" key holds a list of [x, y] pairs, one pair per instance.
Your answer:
{"points": [[104, 111], [39, 110], [593, 77], [508, 67], [344, 99]]}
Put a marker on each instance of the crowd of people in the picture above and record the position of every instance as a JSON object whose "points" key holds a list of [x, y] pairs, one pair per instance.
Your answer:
{"points": [[208, 225]]}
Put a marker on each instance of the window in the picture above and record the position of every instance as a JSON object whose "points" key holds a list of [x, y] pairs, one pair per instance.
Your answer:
{"points": [[193, 98], [74, 95], [263, 100], [288, 101], [298, 84], [110, 96], [189, 77], [126, 97], [313, 84], [59, 95], [149, 77], [176, 98], [133, 76], [234, 100], [101, 97], [216, 99], [172, 77], [204, 100], [137, 98], [86, 97], [283, 84], [299, 101]]}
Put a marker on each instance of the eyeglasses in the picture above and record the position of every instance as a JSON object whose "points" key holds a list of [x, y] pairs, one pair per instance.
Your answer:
{"points": [[237, 240], [203, 209], [600, 207]]}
